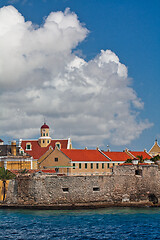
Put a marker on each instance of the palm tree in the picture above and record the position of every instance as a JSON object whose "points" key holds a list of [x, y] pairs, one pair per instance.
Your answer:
{"points": [[140, 159], [155, 159], [129, 160], [5, 175]]}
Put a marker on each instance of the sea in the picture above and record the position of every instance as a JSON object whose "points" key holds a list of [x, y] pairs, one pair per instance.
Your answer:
{"points": [[109, 223]]}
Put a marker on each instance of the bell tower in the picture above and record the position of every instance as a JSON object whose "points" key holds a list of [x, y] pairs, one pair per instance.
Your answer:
{"points": [[45, 139]]}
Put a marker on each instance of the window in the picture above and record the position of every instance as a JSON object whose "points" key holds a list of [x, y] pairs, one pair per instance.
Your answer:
{"points": [[107, 165], [47, 134], [97, 165], [102, 165], [85, 165], [113, 164], [47, 141], [56, 159], [74, 165], [65, 189], [80, 166], [58, 145], [96, 189], [43, 134], [91, 165], [28, 146], [43, 141]]}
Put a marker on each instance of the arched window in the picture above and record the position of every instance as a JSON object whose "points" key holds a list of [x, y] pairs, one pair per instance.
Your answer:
{"points": [[58, 145], [28, 146]]}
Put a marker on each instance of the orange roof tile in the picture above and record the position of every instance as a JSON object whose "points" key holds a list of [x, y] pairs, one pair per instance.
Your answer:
{"points": [[145, 155], [117, 156], [37, 151], [83, 155]]}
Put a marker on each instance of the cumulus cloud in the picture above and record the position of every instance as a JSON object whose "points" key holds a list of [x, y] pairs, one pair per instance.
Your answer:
{"points": [[40, 75]]}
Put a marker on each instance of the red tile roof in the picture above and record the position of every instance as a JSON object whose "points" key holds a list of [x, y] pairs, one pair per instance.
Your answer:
{"points": [[37, 151], [117, 156], [1, 140], [83, 155], [145, 155], [123, 156]]}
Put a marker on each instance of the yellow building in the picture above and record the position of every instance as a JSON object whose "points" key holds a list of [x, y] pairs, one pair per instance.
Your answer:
{"points": [[17, 163], [12, 160], [155, 150], [76, 161], [84, 161]]}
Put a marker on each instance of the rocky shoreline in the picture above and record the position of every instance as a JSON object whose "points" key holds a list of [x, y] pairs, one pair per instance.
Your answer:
{"points": [[86, 206]]}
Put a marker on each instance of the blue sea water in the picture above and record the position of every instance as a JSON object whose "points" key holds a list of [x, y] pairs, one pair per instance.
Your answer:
{"points": [[109, 223]]}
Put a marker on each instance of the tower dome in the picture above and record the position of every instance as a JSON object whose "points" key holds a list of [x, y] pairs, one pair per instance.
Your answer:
{"points": [[44, 126]]}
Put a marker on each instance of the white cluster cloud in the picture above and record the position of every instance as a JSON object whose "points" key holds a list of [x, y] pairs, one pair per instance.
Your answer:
{"points": [[40, 75]]}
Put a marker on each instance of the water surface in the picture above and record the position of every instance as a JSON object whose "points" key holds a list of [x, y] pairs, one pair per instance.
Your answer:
{"points": [[110, 223]]}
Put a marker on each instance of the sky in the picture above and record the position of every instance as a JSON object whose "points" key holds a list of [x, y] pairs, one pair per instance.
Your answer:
{"points": [[90, 69]]}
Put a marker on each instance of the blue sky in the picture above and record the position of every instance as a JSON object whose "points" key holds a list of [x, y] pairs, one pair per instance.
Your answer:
{"points": [[130, 29]]}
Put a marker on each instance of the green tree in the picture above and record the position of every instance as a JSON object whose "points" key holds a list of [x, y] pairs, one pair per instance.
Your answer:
{"points": [[129, 160], [141, 159], [155, 159], [5, 175]]}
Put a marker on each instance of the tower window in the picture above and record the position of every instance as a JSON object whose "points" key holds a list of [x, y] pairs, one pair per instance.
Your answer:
{"points": [[43, 141], [47, 134], [97, 165], [43, 134], [74, 165], [56, 159], [91, 165], [79, 165], [85, 165], [102, 165]]}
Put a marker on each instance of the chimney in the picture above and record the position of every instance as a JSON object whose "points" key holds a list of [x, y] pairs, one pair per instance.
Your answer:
{"points": [[13, 148], [126, 150], [86, 148]]}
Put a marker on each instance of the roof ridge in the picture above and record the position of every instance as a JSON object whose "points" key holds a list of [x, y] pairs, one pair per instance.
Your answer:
{"points": [[104, 154]]}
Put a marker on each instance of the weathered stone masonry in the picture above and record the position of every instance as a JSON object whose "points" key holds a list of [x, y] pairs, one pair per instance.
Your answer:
{"points": [[126, 184]]}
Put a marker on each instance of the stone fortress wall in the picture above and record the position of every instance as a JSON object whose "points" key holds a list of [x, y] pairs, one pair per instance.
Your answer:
{"points": [[126, 185]]}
